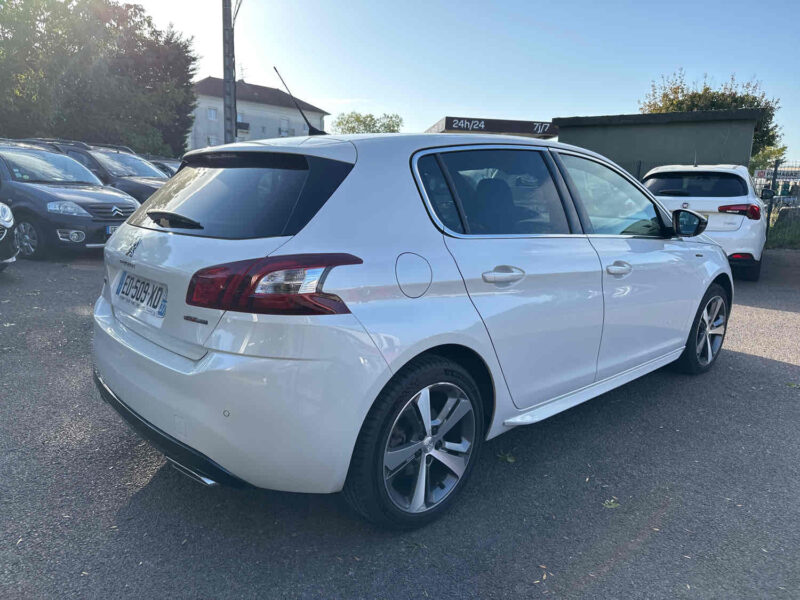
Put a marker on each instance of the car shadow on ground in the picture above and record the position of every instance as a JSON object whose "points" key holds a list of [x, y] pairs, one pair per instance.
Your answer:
{"points": [[779, 285], [585, 491]]}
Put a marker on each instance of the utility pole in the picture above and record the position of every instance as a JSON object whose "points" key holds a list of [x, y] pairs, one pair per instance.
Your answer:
{"points": [[229, 74]]}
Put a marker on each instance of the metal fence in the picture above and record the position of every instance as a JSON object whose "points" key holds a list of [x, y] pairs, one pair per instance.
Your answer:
{"points": [[783, 210]]}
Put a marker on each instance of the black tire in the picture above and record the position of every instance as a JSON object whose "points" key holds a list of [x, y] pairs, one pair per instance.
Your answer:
{"points": [[750, 272], [692, 361], [365, 489], [41, 248]]}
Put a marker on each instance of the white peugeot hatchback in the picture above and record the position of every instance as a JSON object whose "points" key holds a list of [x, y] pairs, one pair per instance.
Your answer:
{"points": [[725, 195], [361, 313]]}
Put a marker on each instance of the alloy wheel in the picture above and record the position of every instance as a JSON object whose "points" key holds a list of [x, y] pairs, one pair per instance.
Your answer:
{"points": [[711, 330], [26, 238], [429, 447]]}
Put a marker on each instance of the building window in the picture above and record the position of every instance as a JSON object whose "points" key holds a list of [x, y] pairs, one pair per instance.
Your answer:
{"points": [[283, 128], [212, 140], [239, 117], [211, 114], [263, 129]]}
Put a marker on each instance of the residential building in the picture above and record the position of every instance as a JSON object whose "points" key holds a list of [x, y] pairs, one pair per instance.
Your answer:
{"points": [[262, 112]]}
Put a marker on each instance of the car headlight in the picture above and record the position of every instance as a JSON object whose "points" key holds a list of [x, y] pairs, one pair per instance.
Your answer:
{"points": [[6, 216], [66, 207]]}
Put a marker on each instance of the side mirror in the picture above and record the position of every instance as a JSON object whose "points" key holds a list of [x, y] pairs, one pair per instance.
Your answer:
{"points": [[767, 194], [688, 223]]}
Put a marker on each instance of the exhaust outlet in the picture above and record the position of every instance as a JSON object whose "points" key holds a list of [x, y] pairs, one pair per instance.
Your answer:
{"points": [[191, 474]]}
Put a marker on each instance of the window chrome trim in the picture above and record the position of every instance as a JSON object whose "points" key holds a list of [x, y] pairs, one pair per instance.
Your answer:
{"points": [[468, 236]]}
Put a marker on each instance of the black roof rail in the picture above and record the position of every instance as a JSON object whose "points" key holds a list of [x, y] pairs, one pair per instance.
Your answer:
{"points": [[82, 145], [118, 147], [157, 157], [31, 144]]}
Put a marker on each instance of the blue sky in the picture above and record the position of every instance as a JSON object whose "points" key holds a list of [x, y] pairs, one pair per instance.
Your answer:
{"points": [[512, 59]]}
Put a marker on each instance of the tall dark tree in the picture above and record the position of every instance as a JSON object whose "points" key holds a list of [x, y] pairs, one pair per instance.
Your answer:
{"points": [[94, 70], [673, 94]]}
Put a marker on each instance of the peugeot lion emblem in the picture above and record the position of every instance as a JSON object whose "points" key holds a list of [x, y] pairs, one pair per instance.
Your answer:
{"points": [[117, 211], [685, 205], [133, 248]]}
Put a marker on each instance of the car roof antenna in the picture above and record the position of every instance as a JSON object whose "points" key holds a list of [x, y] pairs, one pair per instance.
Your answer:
{"points": [[311, 129]]}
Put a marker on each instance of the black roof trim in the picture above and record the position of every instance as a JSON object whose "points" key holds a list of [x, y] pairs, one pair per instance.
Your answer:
{"points": [[743, 114]]}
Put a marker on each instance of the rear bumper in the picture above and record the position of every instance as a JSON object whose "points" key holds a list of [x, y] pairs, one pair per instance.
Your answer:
{"points": [[739, 262], [748, 239], [181, 454], [287, 424]]}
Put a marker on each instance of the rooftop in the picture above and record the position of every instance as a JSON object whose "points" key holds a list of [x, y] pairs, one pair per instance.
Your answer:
{"points": [[742, 114], [249, 92], [399, 142]]}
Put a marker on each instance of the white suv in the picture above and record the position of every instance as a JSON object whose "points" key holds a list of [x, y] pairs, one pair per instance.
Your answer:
{"points": [[360, 313], [737, 219]]}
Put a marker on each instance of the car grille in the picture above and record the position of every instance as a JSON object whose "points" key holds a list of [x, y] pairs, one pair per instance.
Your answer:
{"points": [[110, 212]]}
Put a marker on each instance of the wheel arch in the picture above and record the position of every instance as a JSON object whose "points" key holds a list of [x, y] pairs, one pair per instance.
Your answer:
{"points": [[477, 368], [726, 283]]}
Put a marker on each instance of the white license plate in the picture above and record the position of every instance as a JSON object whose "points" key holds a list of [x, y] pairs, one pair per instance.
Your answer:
{"points": [[111, 229], [142, 293]]}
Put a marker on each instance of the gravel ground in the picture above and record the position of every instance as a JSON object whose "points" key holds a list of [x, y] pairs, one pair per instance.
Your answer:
{"points": [[703, 474]]}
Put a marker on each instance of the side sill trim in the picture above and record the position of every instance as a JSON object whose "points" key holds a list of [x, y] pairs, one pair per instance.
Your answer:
{"points": [[562, 403]]}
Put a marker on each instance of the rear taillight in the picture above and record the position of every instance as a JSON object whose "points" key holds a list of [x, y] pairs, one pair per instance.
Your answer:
{"points": [[741, 256], [751, 211], [278, 285]]}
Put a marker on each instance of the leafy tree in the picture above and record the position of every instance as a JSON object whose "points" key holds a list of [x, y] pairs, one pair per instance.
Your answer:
{"points": [[94, 70], [673, 94], [766, 157], [355, 122]]}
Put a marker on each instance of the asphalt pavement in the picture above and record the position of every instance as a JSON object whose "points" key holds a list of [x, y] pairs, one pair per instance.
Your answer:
{"points": [[669, 487]]}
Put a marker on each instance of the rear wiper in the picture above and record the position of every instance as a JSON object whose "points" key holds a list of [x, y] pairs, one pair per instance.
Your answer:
{"points": [[672, 193], [165, 218]]}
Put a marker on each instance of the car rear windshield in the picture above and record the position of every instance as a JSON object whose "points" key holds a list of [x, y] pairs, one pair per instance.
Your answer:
{"points": [[709, 185], [242, 195]]}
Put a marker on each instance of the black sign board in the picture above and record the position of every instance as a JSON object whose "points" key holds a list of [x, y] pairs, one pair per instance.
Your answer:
{"points": [[542, 129]]}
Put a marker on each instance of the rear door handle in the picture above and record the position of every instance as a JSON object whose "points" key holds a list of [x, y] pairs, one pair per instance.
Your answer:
{"points": [[619, 267], [503, 274]]}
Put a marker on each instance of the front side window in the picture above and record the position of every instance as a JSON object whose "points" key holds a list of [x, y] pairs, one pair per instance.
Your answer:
{"points": [[613, 204], [696, 184], [81, 158], [502, 192], [33, 166], [120, 164]]}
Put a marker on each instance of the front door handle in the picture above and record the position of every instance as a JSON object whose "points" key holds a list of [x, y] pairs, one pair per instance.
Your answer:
{"points": [[620, 267], [503, 274]]}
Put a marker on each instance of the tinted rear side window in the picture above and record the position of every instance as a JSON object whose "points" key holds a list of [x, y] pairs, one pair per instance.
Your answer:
{"points": [[438, 193], [245, 195], [505, 192], [709, 185]]}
